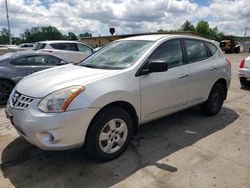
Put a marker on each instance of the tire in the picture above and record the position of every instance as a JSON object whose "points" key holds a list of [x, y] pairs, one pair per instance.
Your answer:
{"points": [[215, 100], [237, 49], [5, 91], [109, 134], [244, 82]]}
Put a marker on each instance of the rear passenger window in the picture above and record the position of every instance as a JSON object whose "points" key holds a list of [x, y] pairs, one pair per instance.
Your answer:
{"points": [[52, 60], [65, 46], [212, 48], [171, 52], [196, 50], [20, 61], [36, 60]]}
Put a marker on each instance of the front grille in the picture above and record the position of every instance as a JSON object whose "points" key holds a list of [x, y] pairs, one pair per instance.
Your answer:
{"points": [[20, 101]]}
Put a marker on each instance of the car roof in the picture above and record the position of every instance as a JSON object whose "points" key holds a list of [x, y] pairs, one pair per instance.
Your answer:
{"points": [[146, 37], [157, 37], [59, 41], [16, 54]]}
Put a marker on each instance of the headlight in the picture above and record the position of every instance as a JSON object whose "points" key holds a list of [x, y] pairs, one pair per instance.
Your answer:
{"points": [[58, 101]]}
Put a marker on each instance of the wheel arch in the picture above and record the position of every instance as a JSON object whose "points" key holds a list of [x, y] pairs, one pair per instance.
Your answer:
{"points": [[223, 82], [125, 106], [8, 80]]}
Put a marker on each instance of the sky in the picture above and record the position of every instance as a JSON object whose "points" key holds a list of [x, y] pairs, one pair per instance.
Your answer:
{"points": [[126, 16]]}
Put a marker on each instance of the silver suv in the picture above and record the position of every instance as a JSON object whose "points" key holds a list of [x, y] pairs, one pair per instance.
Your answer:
{"points": [[70, 51], [101, 101]]}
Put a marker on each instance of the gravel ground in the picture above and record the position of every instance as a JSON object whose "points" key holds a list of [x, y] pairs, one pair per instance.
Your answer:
{"points": [[186, 149]]}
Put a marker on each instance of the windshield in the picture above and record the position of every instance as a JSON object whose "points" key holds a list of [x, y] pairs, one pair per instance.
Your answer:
{"points": [[117, 55]]}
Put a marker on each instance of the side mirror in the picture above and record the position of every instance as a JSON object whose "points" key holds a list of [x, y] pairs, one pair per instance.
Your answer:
{"points": [[157, 66], [152, 66]]}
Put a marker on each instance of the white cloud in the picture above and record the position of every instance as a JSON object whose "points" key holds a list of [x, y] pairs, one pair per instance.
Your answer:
{"points": [[127, 16]]}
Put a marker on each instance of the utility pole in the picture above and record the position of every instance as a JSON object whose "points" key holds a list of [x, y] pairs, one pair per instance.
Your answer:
{"points": [[244, 38], [8, 21]]}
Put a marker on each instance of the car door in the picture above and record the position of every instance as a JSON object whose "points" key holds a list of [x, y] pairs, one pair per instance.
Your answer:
{"points": [[201, 68], [41, 62], [165, 92]]}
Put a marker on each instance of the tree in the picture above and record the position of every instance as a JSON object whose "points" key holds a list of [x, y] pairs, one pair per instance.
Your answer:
{"points": [[86, 34], [41, 33], [17, 40], [162, 31], [187, 26], [71, 36], [202, 27], [4, 36]]}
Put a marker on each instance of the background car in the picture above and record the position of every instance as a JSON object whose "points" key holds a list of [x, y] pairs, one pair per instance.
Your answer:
{"points": [[244, 71], [26, 46], [21, 47], [14, 66], [70, 51]]}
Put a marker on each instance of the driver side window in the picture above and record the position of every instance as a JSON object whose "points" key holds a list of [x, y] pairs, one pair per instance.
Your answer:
{"points": [[170, 52]]}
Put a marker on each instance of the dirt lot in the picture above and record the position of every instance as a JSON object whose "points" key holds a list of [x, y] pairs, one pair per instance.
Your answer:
{"points": [[183, 150]]}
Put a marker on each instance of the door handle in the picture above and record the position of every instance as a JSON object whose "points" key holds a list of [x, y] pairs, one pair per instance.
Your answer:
{"points": [[213, 68], [183, 76]]}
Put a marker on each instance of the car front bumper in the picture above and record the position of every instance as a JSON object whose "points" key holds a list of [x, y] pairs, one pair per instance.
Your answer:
{"points": [[51, 131]]}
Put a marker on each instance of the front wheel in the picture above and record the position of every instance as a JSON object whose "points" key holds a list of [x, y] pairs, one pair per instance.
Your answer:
{"points": [[109, 134], [215, 100]]}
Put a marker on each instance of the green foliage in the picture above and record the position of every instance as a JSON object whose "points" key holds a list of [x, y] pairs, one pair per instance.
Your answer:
{"points": [[4, 37], [201, 27], [71, 36], [187, 26], [163, 31], [86, 34], [36, 34]]}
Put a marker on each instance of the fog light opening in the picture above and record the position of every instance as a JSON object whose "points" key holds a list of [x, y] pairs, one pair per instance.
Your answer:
{"points": [[49, 137]]}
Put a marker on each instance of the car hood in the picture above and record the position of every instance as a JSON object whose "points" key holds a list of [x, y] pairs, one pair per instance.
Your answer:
{"points": [[47, 81]]}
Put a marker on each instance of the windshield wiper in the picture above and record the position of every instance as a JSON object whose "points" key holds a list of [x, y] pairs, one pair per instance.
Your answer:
{"points": [[89, 66]]}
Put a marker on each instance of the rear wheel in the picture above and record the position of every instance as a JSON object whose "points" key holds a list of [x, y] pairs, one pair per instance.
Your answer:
{"points": [[109, 134], [244, 82], [5, 90], [215, 100]]}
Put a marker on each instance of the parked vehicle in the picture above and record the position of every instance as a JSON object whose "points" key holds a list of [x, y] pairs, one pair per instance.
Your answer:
{"points": [[70, 51], [21, 47], [229, 46], [26, 46], [3, 47], [244, 71], [14, 66], [101, 101]]}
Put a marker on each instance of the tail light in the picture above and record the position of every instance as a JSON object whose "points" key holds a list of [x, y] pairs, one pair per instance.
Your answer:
{"points": [[242, 63], [229, 62]]}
